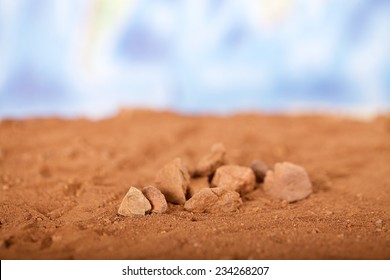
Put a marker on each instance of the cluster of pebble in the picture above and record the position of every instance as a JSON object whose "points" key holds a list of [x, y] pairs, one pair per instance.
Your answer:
{"points": [[214, 186]]}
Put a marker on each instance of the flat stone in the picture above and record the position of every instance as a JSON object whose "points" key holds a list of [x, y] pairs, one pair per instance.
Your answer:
{"points": [[214, 200], [288, 182], [209, 163], [173, 180], [134, 203], [156, 199], [197, 184], [260, 169], [233, 177]]}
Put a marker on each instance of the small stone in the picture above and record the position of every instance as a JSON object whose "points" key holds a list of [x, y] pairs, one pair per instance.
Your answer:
{"points": [[260, 169], [379, 223], [173, 180], [214, 200], [288, 181], [197, 184], [134, 203], [56, 238], [5, 187], [209, 163], [359, 196], [233, 177], [156, 199], [315, 230], [340, 236], [284, 203]]}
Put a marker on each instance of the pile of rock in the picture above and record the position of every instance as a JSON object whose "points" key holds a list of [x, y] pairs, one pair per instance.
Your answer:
{"points": [[214, 186]]}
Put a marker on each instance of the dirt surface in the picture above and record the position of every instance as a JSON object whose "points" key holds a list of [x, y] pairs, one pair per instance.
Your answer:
{"points": [[61, 183]]}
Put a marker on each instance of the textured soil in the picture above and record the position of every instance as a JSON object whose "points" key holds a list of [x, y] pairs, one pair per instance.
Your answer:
{"points": [[61, 182]]}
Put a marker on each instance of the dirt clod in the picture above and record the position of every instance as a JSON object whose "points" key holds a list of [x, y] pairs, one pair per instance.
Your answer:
{"points": [[233, 177], [379, 223], [260, 169], [134, 203], [156, 199], [214, 200], [209, 163], [288, 182], [173, 180]]}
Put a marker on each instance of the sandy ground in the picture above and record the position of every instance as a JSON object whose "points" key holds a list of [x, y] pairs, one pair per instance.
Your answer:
{"points": [[61, 183]]}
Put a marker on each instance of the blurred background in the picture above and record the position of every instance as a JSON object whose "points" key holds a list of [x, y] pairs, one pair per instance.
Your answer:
{"points": [[93, 57]]}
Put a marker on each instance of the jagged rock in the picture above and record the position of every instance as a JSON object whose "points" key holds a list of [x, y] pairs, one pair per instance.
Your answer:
{"points": [[197, 184], [260, 169], [233, 177], [134, 203], [156, 199], [213, 200], [288, 182], [173, 180], [209, 163]]}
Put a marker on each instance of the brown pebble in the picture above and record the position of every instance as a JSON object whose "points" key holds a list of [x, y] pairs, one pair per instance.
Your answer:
{"points": [[156, 199], [260, 169], [288, 182], [197, 184], [379, 223], [213, 200], [56, 238], [134, 203], [233, 177], [315, 230], [173, 180], [209, 163], [359, 196]]}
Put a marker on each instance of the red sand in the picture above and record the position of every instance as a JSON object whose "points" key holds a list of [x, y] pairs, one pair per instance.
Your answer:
{"points": [[61, 183]]}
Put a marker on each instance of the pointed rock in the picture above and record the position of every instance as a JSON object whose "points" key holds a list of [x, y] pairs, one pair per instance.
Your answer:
{"points": [[213, 200], [288, 182], [260, 169], [156, 199], [134, 203], [233, 177], [209, 163], [197, 184], [173, 180]]}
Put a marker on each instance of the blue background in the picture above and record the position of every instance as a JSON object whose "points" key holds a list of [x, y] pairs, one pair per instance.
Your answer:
{"points": [[93, 57]]}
